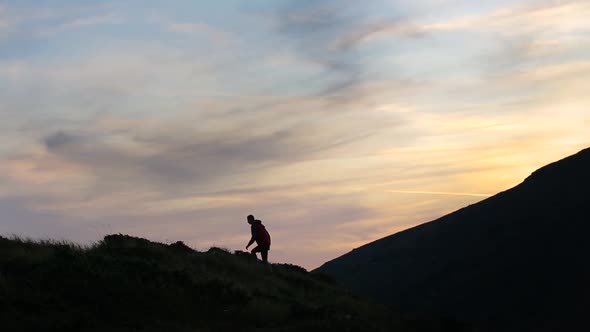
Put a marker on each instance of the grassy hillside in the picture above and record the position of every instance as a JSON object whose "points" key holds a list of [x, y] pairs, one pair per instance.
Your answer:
{"points": [[124, 283]]}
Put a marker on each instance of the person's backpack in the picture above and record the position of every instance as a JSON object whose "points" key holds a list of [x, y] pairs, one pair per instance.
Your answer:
{"points": [[262, 235]]}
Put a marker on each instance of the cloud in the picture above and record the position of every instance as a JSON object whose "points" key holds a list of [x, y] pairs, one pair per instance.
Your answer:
{"points": [[531, 17], [187, 159], [328, 34], [396, 27], [58, 140], [88, 127], [81, 22], [91, 20], [522, 33], [437, 193], [199, 29], [27, 22]]}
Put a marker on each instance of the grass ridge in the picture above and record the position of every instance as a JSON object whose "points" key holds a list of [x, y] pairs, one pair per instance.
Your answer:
{"points": [[126, 283]]}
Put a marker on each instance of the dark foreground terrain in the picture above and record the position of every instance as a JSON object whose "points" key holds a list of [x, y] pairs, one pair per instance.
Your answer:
{"points": [[517, 261], [125, 283]]}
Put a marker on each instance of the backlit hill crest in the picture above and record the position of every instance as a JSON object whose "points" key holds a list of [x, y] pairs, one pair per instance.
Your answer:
{"points": [[518, 260]]}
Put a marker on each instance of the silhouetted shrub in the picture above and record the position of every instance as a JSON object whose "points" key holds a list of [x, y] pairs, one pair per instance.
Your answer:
{"points": [[180, 247], [292, 267]]}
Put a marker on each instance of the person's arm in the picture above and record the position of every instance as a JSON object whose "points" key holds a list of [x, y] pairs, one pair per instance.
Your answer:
{"points": [[250, 242], [253, 238]]}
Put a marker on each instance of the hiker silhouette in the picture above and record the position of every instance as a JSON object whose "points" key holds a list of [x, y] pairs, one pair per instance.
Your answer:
{"points": [[260, 236]]}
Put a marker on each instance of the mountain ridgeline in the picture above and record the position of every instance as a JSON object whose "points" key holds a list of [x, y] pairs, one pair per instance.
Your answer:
{"points": [[516, 261]]}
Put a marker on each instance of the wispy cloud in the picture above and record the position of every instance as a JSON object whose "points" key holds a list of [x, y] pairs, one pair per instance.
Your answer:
{"points": [[321, 32], [437, 193], [199, 29], [81, 22], [523, 32], [530, 17], [38, 21]]}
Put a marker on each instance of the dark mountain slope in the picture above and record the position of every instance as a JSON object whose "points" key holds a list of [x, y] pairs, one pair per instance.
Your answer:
{"points": [[519, 259]]}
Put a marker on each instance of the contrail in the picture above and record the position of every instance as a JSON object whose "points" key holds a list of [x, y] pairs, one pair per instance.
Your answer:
{"points": [[437, 193]]}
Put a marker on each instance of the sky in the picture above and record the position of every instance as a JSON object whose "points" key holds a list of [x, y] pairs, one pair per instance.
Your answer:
{"points": [[334, 122]]}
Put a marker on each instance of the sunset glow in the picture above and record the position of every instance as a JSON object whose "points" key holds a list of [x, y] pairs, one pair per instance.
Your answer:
{"points": [[334, 122]]}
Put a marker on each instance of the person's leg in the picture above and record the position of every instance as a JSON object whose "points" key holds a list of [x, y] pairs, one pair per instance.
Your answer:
{"points": [[254, 251], [264, 254]]}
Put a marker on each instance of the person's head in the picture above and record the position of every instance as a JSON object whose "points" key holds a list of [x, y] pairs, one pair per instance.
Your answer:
{"points": [[250, 219]]}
